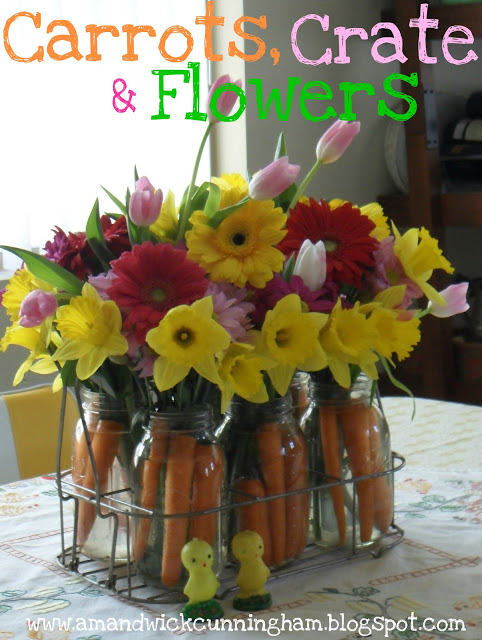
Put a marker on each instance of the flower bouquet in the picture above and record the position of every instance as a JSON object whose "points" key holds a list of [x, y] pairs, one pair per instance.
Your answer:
{"points": [[171, 305]]}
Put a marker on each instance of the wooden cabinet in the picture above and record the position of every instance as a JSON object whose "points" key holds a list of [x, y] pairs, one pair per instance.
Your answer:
{"points": [[431, 370]]}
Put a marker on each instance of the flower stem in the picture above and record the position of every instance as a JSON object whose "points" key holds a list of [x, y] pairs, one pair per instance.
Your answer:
{"points": [[305, 183], [187, 205]]}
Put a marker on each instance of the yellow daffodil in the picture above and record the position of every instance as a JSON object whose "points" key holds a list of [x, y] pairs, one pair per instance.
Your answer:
{"points": [[233, 188], [419, 255], [348, 338], [187, 338], [395, 333], [165, 227], [20, 285], [36, 340], [291, 339], [240, 371], [242, 249], [373, 211], [91, 331]]}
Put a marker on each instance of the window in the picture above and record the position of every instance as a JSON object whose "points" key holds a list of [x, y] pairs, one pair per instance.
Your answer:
{"points": [[61, 136]]}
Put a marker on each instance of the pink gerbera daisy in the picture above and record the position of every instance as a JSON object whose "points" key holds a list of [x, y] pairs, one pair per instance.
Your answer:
{"points": [[231, 308], [152, 279]]}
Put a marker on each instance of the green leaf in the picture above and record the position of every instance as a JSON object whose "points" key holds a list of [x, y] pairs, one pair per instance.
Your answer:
{"points": [[222, 214], [48, 271], [136, 175], [116, 201], [288, 269], [95, 237], [397, 383], [281, 149], [285, 198], [132, 228], [213, 201], [68, 374]]}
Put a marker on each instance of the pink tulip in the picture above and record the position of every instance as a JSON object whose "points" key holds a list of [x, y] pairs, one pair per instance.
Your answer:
{"points": [[334, 142], [456, 298], [273, 179], [36, 307], [310, 264], [145, 203], [226, 101]]}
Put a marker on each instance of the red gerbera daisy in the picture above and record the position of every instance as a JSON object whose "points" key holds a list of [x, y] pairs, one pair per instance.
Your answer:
{"points": [[152, 279], [345, 232]]}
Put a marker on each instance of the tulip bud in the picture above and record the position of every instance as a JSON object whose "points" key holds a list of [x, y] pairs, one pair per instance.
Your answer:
{"points": [[145, 203], [35, 307], [310, 264], [226, 100], [273, 179], [334, 142], [456, 298]]}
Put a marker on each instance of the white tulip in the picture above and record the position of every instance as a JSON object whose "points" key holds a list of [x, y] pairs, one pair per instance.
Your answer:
{"points": [[310, 264]]}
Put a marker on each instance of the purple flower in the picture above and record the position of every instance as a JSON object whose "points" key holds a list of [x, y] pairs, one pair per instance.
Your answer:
{"points": [[59, 246], [145, 203], [226, 100], [273, 179], [36, 307], [265, 299], [102, 282], [456, 298], [389, 272], [231, 308], [334, 142]]}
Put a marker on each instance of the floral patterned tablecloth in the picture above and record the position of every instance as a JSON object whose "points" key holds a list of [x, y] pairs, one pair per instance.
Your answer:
{"points": [[433, 574]]}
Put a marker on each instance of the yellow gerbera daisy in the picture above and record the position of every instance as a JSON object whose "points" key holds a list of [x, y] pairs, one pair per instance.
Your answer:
{"points": [[241, 373], [373, 211], [242, 248], [233, 188], [20, 285], [187, 338], [165, 227], [348, 338], [291, 339], [419, 259], [90, 328]]}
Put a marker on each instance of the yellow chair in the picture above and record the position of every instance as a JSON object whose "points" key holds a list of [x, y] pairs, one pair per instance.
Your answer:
{"points": [[29, 424]]}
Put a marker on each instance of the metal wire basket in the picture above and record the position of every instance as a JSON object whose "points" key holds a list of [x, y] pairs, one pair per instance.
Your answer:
{"points": [[121, 578]]}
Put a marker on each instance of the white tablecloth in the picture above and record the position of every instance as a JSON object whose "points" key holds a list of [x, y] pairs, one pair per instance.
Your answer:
{"points": [[433, 574]]}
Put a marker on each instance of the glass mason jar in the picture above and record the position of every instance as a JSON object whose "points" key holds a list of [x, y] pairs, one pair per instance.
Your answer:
{"points": [[299, 389], [347, 439], [266, 457], [108, 425], [178, 468]]}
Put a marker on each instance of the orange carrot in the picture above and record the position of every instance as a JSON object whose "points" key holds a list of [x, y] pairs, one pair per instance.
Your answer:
{"points": [[355, 422], [104, 449], [254, 517], [179, 472], [330, 444], [382, 490], [206, 490], [270, 449], [80, 453], [296, 506], [150, 485]]}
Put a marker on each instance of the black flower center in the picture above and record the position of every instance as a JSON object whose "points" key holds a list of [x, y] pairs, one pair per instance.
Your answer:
{"points": [[239, 239], [184, 337]]}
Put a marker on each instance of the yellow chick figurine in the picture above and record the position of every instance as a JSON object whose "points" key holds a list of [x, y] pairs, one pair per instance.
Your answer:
{"points": [[248, 549], [197, 557]]}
